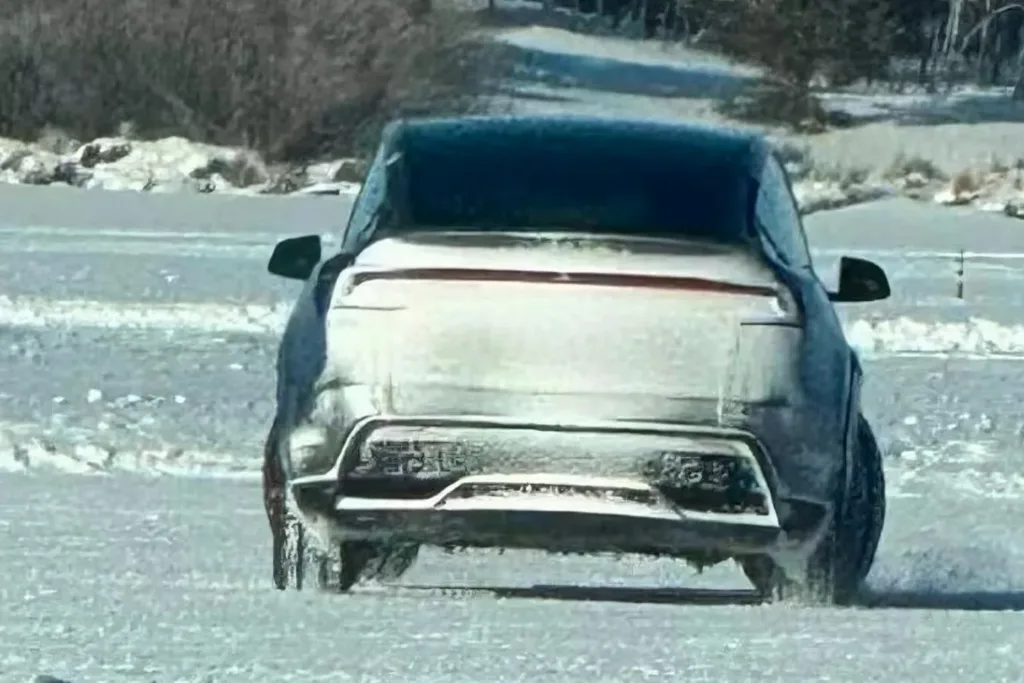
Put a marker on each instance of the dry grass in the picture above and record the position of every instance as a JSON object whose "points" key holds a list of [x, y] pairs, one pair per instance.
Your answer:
{"points": [[964, 184], [290, 78], [904, 165]]}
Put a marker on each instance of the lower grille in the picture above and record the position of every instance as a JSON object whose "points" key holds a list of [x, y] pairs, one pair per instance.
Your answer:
{"points": [[704, 482], [701, 472], [715, 502]]}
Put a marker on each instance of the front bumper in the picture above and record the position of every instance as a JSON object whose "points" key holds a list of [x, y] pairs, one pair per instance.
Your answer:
{"points": [[609, 486]]}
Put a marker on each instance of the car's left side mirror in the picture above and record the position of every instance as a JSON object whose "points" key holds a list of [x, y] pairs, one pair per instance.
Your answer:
{"points": [[860, 281], [296, 257]]}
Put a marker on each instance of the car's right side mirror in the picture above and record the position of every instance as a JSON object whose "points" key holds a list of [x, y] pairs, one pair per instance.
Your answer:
{"points": [[860, 281], [296, 257]]}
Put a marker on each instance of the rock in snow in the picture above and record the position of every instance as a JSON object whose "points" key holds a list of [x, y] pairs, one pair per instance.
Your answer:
{"points": [[171, 164]]}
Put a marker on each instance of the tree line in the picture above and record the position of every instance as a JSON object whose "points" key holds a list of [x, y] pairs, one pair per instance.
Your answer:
{"points": [[927, 41]]}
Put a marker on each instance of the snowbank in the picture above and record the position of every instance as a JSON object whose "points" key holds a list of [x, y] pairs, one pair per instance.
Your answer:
{"points": [[824, 195], [821, 186], [171, 164], [987, 187], [993, 189], [980, 166], [175, 164], [178, 165]]}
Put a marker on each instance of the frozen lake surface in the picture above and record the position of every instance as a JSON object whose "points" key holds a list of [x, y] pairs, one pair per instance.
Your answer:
{"points": [[133, 345]]}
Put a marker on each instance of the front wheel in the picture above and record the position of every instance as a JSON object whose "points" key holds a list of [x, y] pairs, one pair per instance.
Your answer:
{"points": [[837, 568]]}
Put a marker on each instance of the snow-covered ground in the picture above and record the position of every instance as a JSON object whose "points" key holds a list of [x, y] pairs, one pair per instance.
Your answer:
{"points": [[137, 339], [137, 335]]}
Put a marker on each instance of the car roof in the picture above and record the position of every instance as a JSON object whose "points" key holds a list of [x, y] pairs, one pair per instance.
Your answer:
{"points": [[731, 146]]}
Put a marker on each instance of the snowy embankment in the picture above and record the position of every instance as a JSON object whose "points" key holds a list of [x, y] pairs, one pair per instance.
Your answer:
{"points": [[175, 164], [996, 189], [964, 147], [171, 164], [993, 187], [178, 165]]}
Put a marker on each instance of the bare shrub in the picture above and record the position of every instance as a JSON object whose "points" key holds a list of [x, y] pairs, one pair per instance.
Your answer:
{"points": [[774, 100], [903, 166], [291, 78], [965, 183]]}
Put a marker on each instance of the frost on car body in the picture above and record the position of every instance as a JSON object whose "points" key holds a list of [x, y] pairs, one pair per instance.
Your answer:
{"points": [[586, 322]]}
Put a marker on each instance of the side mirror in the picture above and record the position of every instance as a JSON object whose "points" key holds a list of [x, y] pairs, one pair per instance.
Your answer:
{"points": [[296, 257], [860, 281]]}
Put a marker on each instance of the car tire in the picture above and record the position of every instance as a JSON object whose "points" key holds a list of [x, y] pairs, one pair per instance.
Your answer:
{"points": [[359, 561], [289, 554], [295, 560], [837, 568], [396, 560], [874, 495]]}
